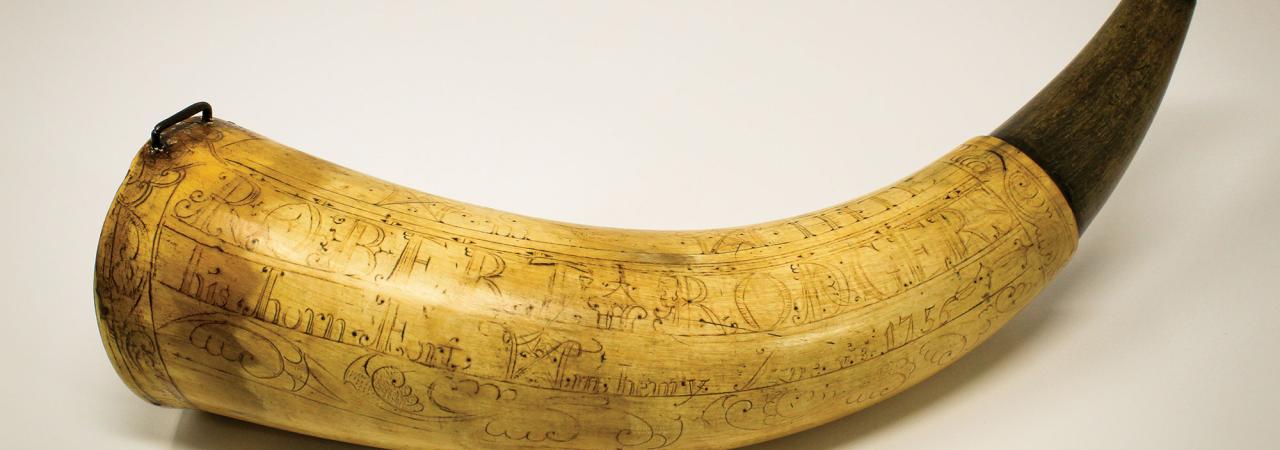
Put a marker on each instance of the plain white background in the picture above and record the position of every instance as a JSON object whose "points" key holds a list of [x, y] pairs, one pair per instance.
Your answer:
{"points": [[1161, 333]]}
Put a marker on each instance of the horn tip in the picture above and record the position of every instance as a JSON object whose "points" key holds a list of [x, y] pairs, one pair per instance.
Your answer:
{"points": [[1084, 127]]}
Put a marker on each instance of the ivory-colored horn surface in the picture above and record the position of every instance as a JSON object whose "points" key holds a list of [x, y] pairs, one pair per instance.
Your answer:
{"points": [[241, 277]]}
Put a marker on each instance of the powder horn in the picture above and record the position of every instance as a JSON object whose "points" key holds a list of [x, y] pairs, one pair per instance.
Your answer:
{"points": [[241, 277]]}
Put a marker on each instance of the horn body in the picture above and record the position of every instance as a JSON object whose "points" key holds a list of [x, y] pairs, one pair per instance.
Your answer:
{"points": [[241, 277]]}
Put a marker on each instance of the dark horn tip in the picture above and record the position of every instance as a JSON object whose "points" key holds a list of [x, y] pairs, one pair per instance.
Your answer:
{"points": [[1084, 127]]}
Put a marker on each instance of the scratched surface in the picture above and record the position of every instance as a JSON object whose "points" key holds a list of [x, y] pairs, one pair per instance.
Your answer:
{"points": [[245, 278]]}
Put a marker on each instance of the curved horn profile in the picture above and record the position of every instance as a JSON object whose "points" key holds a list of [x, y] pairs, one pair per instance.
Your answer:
{"points": [[240, 276], [1085, 126]]}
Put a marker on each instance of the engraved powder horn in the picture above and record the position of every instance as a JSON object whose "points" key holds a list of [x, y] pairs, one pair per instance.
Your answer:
{"points": [[242, 277]]}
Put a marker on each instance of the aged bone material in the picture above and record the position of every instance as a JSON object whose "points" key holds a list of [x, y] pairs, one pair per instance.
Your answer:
{"points": [[242, 277]]}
